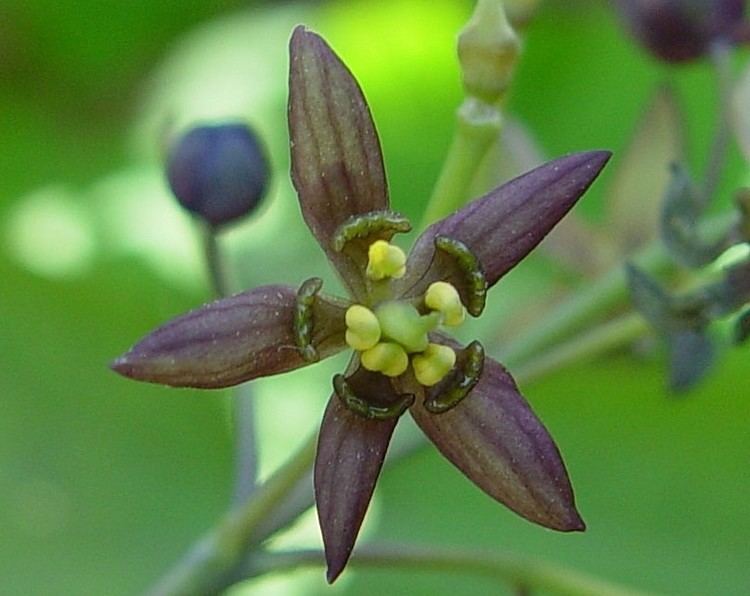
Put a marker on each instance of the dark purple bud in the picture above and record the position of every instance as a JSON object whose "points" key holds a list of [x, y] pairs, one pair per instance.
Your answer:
{"points": [[218, 172], [682, 30]]}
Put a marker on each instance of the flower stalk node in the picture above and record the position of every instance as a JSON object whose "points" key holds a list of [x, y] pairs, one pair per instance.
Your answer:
{"points": [[457, 385], [473, 291], [304, 320], [368, 226], [364, 408]]}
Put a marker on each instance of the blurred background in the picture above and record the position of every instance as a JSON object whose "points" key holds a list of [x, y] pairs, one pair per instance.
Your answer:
{"points": [[105, 482]]}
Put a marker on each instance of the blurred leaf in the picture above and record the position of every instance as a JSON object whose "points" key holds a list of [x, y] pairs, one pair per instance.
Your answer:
{"points": [[680, 218], [691, 354]]}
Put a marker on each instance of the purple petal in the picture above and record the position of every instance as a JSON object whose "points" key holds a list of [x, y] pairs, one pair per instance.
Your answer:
{"points": [[232, 340], [351, 450], [337, 164], [495, 439], [502, 227]]}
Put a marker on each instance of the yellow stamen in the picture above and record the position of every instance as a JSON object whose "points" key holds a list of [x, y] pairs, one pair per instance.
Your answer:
{"points": [[385, 260], [386, 357], [431, 366], [443, 297], [362, 328]]}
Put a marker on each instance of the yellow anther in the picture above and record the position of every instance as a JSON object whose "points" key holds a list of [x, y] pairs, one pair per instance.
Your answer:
{"points": [[362, 328], [443, 297], [386, 357], [431, 366], [385, 260]]}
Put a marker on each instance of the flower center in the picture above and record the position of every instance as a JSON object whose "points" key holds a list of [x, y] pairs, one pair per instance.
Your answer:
{"points": [[396, 333]]}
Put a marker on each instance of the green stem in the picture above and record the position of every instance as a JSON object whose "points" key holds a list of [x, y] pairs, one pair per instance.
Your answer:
{"points": [[517, 570], [477, 129], [618, 332], [204, 570], [598, 299], [243, 403], [721, 58]]}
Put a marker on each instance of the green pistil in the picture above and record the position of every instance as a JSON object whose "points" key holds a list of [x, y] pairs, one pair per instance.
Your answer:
{"points": [[402, 323]]}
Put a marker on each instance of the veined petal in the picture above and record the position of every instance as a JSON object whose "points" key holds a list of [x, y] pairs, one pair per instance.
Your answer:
{"points": [[232, 340], [351, 449], [495, 439], [502, 227], [337, 164]]}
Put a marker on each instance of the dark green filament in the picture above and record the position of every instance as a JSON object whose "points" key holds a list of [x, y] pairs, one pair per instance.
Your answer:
{"points": [[457, 385], [364, 408], [379, 223], [471, 268], [303, 318]]}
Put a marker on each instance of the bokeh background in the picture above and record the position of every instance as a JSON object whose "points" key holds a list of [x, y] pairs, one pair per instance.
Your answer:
{"points": [[105, 482]]}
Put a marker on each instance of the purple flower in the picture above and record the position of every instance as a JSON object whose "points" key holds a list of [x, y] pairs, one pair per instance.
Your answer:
{"points": [[465, 402]]}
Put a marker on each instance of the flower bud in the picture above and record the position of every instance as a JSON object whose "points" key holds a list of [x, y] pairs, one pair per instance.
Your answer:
{"points": [[683, 30], [219, 172], [487, 50]]}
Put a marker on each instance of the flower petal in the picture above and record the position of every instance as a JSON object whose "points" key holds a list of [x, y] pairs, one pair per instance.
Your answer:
{"points": [[351, 449], [495, 439], [502, 227], [337, 164], [232, 340]]}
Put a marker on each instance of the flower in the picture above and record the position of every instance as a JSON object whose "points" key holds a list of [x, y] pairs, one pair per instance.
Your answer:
{"points": [[683, 30], [465, 402]]}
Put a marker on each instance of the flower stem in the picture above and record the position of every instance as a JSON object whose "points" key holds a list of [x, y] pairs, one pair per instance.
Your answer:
{"points": [[721, 59], [206, 567], [478, 126], [243, 407], [520, 572], [593, 342], [597, 300]]}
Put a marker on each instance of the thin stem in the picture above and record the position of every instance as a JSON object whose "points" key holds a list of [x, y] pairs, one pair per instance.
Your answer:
{"points": [[720, 55], [204, 570], [477, 129], [516, 570], [599, 299], [243, 406], [618, 332], [214, 262]]}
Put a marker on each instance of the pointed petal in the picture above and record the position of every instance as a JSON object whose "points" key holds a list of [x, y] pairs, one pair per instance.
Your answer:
{"points": [[337, 164], [504, 225], [351, 449], [232, 340], [495, 439]]}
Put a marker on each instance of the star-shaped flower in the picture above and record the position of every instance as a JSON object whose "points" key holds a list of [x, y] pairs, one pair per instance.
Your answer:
{"points": [[464, 401]]}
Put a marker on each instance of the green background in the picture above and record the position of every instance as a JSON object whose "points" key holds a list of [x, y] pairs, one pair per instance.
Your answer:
{"points": [[105, 482]]}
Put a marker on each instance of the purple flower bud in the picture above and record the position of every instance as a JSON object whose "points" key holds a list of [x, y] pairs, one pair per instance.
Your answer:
{"points": [[219, 172], [683, 30]]}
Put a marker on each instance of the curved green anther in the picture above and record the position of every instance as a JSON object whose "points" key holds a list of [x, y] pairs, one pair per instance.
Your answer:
{"points": [[303, 318], [472, 270], [365, 409], [367, 224], [449, 392]]}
